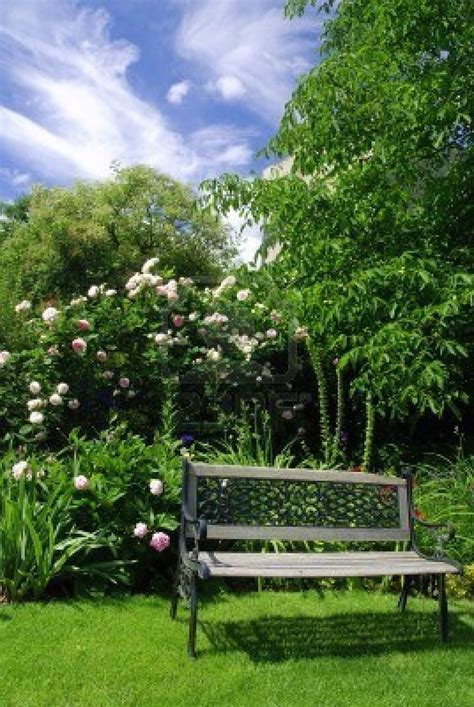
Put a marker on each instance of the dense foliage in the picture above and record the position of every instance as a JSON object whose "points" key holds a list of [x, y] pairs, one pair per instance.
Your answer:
{"points": [[375, 219]]}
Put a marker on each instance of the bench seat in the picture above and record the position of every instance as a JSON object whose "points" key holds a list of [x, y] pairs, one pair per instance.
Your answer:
{"points": [[327, 564]]}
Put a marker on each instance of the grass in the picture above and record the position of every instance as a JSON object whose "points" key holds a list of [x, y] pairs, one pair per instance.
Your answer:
{"points": [[264, 650]]}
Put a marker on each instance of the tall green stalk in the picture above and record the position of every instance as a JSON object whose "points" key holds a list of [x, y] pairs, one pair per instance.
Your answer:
{"points": [[339, 413], [369, 433], [324, 419]]}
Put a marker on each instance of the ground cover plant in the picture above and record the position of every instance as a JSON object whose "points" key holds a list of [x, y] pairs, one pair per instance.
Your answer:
{"points": [[288, 649]]}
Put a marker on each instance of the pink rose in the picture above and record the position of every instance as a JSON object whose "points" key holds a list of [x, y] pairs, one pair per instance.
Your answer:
{"points": [[124, 382], [140, 530], [79, 345], [178, 320], [172, 295], [272, 334], [83, 325], [81, 482], [159, 541]]}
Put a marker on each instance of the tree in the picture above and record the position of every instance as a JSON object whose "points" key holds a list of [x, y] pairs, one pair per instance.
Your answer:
{"points": [[376, 218], [57, 241]]}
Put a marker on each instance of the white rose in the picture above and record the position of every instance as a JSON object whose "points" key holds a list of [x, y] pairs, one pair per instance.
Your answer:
{"points": [[63, 388], [156, 487], [50, 314], [55, 399], [35, 387], [34, 404], [93, 292], [23, 306], [36, 418]]}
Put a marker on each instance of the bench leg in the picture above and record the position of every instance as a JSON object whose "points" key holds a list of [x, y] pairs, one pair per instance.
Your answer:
{"points": [[175, 591], [192, 618], [406, 584], [443, 607]]}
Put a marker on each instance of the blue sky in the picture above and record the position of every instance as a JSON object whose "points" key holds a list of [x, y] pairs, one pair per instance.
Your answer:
{"points": [[192, 87]]}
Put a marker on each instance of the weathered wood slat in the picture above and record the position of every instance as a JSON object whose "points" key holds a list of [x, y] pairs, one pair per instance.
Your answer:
{"points": [[321, 564], [403, 508], [271, 532], [285, 558], [262, 472]]}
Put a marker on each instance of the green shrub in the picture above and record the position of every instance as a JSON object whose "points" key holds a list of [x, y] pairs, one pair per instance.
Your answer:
{"points": [[444, 492]]}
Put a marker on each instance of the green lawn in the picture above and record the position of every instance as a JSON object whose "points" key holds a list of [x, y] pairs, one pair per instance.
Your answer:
{"points": [[281, 649]]}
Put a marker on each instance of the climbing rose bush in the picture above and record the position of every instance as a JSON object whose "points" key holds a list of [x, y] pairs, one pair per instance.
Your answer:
{"points": [[109, 354]]}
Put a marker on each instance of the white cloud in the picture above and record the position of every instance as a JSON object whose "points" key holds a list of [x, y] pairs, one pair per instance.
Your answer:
{"points": [[178, 92], [229, 87], [78, 111], [17, 179], [248, 48]]}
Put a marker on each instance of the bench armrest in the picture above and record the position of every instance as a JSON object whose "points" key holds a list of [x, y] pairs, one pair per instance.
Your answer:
{"points": [[199, 525], [442, 533]]}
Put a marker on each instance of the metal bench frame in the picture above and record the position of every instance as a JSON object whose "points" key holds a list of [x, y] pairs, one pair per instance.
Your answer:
{"points": [[263, 503]]}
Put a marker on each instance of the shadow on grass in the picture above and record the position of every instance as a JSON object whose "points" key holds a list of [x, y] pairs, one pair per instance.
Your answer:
{"points": [[279, 638]]}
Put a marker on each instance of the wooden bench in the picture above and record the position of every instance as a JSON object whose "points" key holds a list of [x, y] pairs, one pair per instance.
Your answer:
{"points": [[232, 503]]}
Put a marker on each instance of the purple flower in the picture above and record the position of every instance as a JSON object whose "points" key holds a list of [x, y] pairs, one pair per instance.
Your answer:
{"points": [[187, 439]]}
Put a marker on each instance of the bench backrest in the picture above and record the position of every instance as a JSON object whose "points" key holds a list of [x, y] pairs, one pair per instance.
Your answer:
{"points": [[262, 503]]}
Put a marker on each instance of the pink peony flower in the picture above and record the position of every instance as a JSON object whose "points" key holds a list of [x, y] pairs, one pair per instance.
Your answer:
{"points": [[172, 295], [161, 339], [178, 320], [81, 482], [140, 530], [101, 356], [83, 325], [272, 334], [159, 541], [124, 382], [156, 487], [79, 345]]}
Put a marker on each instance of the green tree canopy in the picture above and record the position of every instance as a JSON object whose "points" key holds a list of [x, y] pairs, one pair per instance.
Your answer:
{"points": [[58, 241], [376, 218]]}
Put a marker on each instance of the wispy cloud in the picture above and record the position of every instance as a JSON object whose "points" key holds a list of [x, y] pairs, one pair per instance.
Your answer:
{"points": [[178, 92], [78, 112], [247, 50]]}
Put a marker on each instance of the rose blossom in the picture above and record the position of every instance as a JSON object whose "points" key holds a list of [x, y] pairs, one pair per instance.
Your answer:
{"points": [[110, 293], [149, 265], [63, 388], [50, 314], [73, 404], [140, 530], [4, 356], [159, 541], [101, 356], [156, 487], [35, 387], [161, 339], [34, 404], [36, 418], [178, 320], [23, 306], [83, 325], [213, 355], [272, 333], [81, 482], [124, 382], [242, 295], [55, 399], [93, 292], [79, 345]]}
